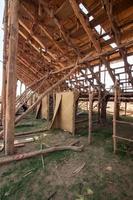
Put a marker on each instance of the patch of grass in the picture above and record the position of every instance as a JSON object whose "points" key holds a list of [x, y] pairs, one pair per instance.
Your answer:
{"points": [[30, 123], [23, 173], [59, 156], [13, 189]]}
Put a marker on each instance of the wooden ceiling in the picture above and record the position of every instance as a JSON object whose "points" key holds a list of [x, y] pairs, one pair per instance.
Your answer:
{"points": [[53, 34]]}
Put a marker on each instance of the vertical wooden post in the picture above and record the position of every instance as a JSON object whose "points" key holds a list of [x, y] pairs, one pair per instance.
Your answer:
{"points": [[99, 104], [115, 114], [11, 77], [125, 108], [90, 115], [104, 108], [118, 102], [20, 88], [3, 106]]}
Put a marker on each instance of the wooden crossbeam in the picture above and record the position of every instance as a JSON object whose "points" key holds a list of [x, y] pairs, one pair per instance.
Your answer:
{"points": [[94, 75], [39, 42], [91, 35], [86, 77], [28, 68], [108, 7], [66, 37], [45, 31]]}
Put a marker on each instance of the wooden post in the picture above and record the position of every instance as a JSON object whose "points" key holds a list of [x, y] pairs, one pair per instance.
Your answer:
{"points": [[11, 77], [20, 88], [99, 104], [118, 102], [104, 107], [115, 114], [90, 115], [3, 105], [125, 108]]}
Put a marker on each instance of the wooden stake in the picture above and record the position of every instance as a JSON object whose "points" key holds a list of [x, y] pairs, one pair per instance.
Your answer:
{"points": [[90, 115], [125, 108], [99, 104], [11, 77], [115, 114]]}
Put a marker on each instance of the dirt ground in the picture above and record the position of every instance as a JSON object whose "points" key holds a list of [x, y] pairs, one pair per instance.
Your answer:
{"points": [[93, 174]]}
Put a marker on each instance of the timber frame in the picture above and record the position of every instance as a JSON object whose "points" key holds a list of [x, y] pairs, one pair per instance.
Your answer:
{"points": [[55, 45]]}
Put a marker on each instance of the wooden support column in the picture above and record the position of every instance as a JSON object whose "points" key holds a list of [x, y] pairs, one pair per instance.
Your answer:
{"points": [[103, 107], [11, 77], [90, 115], [3, 106], [20, 88], [99, 104], [115, 114], [125, 108]]}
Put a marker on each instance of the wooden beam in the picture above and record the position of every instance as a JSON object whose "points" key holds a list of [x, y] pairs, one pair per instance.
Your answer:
{"points": [[116, 93], [91, 36], [44, 30], [11, 77], [8, 159], [4, 76], [94, 75], [59, 82], [66, 37], [39, 42], [108, 8]]}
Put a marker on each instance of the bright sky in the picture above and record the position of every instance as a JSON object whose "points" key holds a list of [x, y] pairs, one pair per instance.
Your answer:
{"points": [[1, 40]]}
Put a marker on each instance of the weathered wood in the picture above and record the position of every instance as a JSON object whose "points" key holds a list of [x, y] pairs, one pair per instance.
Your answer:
{"points": [[45, 93], [90, 116], [40, 43], [4, 76], [11, 77], [109, 9], [122, 138], [86, 26], [104, 101], [65, 36], [124, 122], [99, 104], [31, 132], [8, 159], [114, 115]]}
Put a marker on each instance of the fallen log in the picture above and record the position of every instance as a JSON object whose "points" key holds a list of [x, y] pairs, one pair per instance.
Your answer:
{"points": [[17, 157]]}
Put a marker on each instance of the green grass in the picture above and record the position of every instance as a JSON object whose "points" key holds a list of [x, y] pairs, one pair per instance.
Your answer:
{"points": [[30, 123], [28, 179]]}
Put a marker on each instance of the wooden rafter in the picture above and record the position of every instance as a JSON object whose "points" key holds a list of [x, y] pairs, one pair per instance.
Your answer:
{"points": [[91, 36], [65, 35], [39, 42], [45, 31], [108, 7], [94, 75]]}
